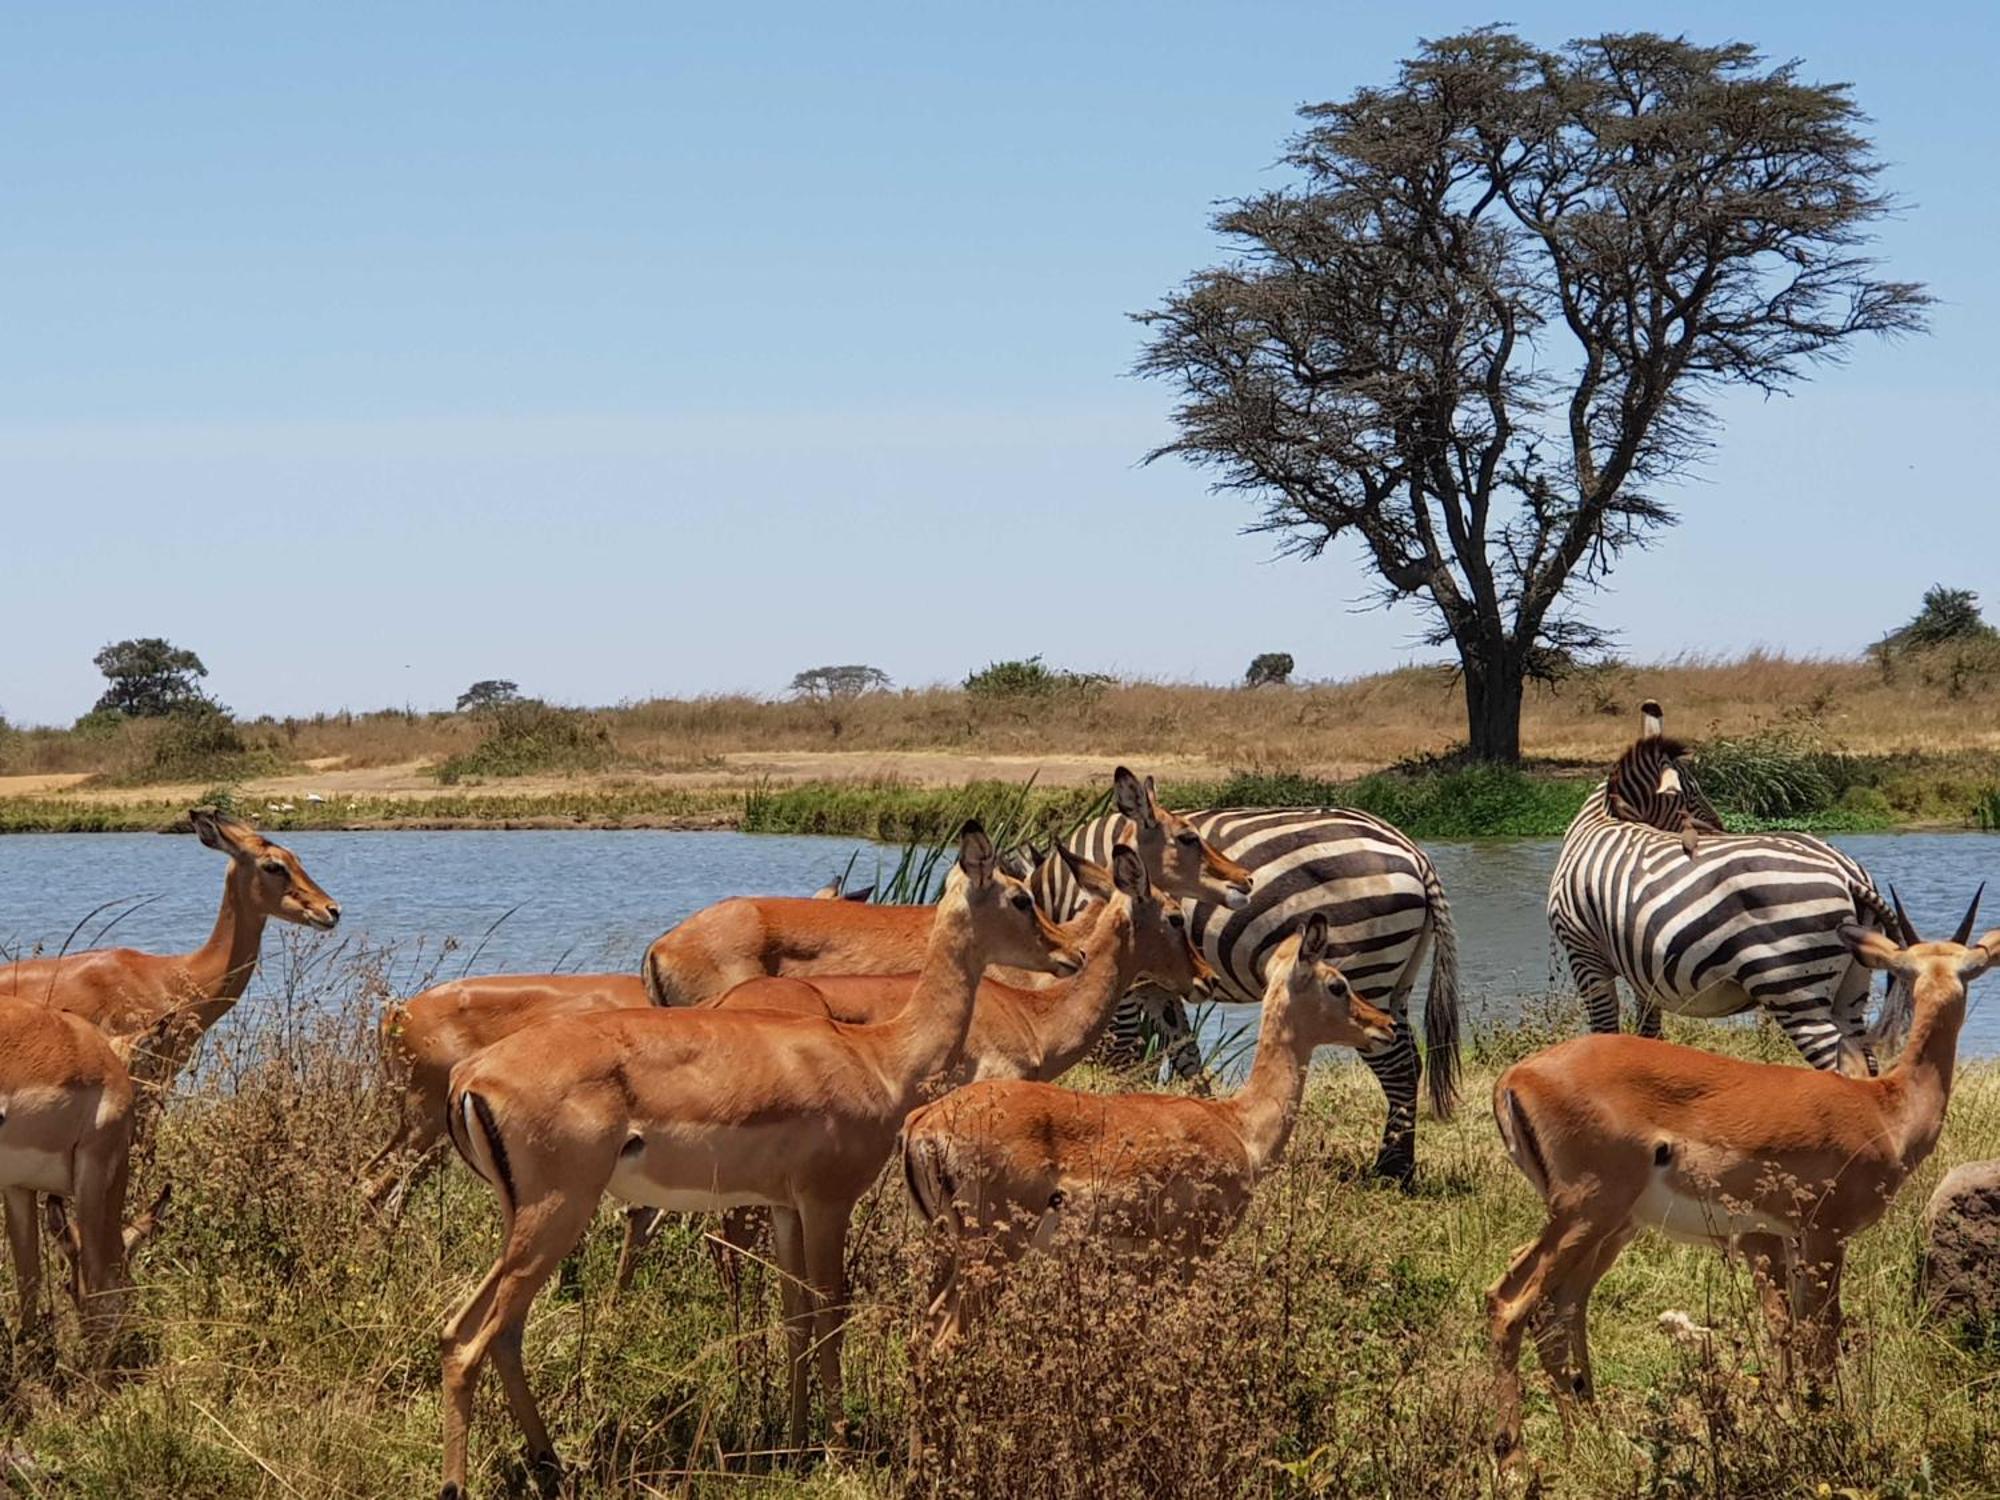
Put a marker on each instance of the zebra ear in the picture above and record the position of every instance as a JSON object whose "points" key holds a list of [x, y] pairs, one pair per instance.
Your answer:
{"points": [[861, 893], [1133, 799], [1652, 722]]}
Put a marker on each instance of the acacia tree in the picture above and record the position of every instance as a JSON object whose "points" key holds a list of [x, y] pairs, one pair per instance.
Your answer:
{"points": [[1484, 327], [148, 677]]}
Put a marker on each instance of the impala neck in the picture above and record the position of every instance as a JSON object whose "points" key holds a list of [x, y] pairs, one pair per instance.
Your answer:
{"points": [[222, 966], [931, 1027], [1071, 1014], [1923, 1076], [1267, 1105]]}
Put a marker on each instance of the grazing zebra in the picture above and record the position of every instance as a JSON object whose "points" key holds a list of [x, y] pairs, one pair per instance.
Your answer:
{"points": [[1713, 926], [1377, 890]]}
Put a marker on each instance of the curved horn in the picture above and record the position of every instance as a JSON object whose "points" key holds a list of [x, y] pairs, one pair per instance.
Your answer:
{"points": [[1964, 933], [1909, 932]]}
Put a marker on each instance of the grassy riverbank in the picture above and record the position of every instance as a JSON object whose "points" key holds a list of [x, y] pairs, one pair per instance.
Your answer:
{"points": [[1864, 794], [1335, 1348], [1824, 745]]}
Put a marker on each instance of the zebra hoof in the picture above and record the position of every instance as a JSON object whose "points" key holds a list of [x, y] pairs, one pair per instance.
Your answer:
{"points": [[1397, 1168]]}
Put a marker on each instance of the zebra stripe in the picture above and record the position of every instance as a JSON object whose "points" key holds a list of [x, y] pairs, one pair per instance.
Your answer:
{"points": [[1382, 899], [1714, 928]]}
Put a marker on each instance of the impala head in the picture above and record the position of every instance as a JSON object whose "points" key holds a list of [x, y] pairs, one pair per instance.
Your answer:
{"points": [[1179, 861], [1925, 974], [1323, 1007], [1010, 929], [277, 883], [1167, 954]]}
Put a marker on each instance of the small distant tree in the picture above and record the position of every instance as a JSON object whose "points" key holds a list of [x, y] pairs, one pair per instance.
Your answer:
{"points": [[1269, 669], [831, 683], [150, 678], [1947, 616], [489, 692]]}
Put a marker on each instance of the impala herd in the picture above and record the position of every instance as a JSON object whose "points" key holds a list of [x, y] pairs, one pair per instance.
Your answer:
{"points": [[773, 1055]]}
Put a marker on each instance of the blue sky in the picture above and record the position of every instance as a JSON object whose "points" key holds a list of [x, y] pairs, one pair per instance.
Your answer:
{"points": [[629, 351]]}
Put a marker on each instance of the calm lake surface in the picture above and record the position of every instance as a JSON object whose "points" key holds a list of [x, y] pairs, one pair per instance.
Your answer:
{"points": [[513, 901]]}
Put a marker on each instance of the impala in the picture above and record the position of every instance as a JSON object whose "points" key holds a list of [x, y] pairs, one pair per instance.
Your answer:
{"points": [[425, 1037], [747, 937], [66, 1113], [703, 1110], [1619, 1133], [125, 992], [1015, 1033], [1000, 1168]]}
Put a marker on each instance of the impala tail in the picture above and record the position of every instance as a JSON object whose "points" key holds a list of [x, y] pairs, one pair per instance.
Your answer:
{"points": [[1518, 1136], [1441, 1060], [927, 1174], [477, 1136]]}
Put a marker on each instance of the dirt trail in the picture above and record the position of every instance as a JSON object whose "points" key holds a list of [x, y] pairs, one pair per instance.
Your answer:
{"points": [[329, 780]]}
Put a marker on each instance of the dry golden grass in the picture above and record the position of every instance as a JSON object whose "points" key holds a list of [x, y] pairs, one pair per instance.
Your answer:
{"points": [[1333, 730]]}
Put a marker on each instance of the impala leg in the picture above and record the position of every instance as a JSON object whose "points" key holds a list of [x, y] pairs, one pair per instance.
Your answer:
{"points": [[825, 1226], [641, 1225], [24, 1243], [1769, 1259], [794, 1297], [1570, 1305], [98, 1210], [1516, 1299], [416, 1147], [539, 1234], [1398, 1069], [732, 1239], [1816, 1274]]}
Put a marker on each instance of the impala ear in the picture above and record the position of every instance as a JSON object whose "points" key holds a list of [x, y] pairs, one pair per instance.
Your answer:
{"points": [[1097, 882], [1133, 799], [975, 853], [1312, 939], [1128, 872], [217, 830], [1984, 955], [1869, 946]]}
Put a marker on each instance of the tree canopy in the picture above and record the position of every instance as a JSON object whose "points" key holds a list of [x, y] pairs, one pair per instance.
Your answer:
{"points": [[1482, 330], [849, 681], [150, 678], [489, 692]]}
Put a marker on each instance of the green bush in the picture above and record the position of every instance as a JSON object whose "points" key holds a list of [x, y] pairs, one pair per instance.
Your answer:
{"points": [[1031, 678], [529, 736], [1782, 772]]}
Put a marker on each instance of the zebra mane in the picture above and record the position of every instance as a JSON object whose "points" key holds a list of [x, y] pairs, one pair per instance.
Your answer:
{"points": [[1631, 791]]}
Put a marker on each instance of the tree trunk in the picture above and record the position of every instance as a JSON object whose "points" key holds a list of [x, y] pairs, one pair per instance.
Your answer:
{"points": [[1493, 692]]}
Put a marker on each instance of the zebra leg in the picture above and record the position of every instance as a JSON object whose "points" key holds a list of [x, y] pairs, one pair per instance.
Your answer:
{"points": [[1600, 994], [1809, 1023], [1397, 1068], [1177, 1039]]}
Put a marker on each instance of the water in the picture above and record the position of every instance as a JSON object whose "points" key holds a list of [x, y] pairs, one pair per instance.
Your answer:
{"points": [[594, 900]]}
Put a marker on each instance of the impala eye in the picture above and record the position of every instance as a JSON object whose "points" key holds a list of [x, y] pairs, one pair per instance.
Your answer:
{"points": [[274, 867], [1024, 903], [1188, 840], [1177, 922]]}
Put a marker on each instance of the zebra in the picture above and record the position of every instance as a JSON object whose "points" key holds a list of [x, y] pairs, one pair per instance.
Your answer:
{"points": [[1377, 889], [1649, 890]]}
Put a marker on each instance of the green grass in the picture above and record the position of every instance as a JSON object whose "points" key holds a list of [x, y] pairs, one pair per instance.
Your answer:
{"points": [[1335, 1347]]}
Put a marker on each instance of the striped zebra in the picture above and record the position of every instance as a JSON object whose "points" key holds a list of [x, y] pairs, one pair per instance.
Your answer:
{"points": [[1377, 889], [1647, 889]]}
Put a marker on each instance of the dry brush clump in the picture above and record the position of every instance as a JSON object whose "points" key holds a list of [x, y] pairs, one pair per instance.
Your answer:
{"points": [[283, 1344]]}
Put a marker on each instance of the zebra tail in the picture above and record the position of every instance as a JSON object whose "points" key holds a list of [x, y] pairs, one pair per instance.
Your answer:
{"points": [[1892, 1022], [1441, 1058]]}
